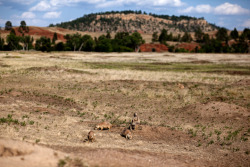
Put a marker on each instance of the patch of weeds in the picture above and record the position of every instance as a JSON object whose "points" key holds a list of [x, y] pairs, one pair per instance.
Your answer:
{"points": [[217, 132], [23, 123], [9, 120], [107, 117], [199, 143], [80, 114], [94, 104], [236, 149], [192, 132], [243, 138], [37, 140], [232, 135], [25, 116], [117, 121], [31, 122], [61, 163], [150, 118], [247, 152], [210, 142]]}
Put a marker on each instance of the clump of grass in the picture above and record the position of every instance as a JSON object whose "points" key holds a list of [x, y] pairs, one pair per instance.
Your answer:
{"points": [[8, 57], [9, 120]]}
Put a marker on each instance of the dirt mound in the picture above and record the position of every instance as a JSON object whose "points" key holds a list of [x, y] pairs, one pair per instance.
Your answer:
{"points": [[153, 48], [25, 154], [9, 152]]}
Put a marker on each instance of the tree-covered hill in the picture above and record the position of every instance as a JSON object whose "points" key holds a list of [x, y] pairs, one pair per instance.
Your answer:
{"points": [[130, 21]]}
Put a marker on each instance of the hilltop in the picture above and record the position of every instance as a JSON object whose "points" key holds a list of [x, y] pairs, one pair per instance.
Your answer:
{"points": [[131, 21]]}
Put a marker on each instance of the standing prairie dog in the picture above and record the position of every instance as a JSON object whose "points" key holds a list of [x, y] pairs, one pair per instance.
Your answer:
{"points": [[91, 136], [127, 134], [103, 125], [135, 121]]}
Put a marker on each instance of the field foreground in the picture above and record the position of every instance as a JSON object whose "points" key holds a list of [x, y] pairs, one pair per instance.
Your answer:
{"points": [[194, 109]]}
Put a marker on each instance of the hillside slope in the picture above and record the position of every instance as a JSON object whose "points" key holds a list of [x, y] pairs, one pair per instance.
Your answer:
{"points": [[130, 22]]}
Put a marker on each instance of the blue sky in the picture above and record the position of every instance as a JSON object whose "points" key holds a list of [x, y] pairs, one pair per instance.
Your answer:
{"points": [[225, 13]]}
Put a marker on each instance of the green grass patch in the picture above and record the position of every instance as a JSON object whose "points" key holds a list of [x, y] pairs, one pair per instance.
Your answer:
{"points": [[232, 69], [12, 57]]}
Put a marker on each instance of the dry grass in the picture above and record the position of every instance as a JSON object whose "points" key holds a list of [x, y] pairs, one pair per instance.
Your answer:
{"points": [[57, 98]]}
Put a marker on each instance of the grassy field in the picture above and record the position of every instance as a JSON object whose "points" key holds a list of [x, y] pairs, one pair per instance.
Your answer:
{"points": [[194, 108]]}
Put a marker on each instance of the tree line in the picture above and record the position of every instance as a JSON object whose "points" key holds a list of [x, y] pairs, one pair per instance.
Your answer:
{"points": [[122, 42], [217, 44]]}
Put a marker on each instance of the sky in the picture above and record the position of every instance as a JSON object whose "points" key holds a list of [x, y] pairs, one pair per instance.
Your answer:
{"points": [[225, 13]]}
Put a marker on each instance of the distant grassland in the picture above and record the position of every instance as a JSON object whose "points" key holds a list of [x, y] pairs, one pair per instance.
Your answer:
{"points": [[176, 67]]}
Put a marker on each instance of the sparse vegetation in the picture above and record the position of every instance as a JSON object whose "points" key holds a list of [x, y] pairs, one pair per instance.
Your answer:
{"points": [[189, 105]]}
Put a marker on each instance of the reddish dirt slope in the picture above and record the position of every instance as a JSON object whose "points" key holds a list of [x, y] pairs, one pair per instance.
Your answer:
{"points": [[37, 32], [153, 47], [40, 31], [189, 46]]}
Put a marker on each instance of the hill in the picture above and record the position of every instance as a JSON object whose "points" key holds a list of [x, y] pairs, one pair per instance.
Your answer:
{"points": [[131, 21]]}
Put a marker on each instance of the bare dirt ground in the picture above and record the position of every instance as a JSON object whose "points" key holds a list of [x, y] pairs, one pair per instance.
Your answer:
{"points": [[194, 109]]}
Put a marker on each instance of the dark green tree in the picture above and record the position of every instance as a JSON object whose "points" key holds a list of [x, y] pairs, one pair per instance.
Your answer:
{"points": [[108, 35], [199, 35], [26, 42], [206, 38], [186, 37], [54, 38], [59, 46], [43, 44], [234, 34], [8, 25], [136, 41], [246, 34], [73, 41], [163, 36], [1, 43], [103, 44], [13, 41], [87, 43], [23, 28], [221, 35], [155, 37]]}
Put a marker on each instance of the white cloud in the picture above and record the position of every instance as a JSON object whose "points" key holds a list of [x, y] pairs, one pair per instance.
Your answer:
{"points": [[52, 15], [72, 2], [25, 2], [230, 9], [41, 6], [223, 9], [28, 15], [115, 3], [247, 23], [197, 9]]}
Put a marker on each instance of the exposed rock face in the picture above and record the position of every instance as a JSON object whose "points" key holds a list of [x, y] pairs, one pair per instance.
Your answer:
{"points": [[120, 22]]}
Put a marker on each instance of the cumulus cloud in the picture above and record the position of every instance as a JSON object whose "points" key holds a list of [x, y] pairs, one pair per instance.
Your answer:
{"points": [[51, 15], [223, 9], [24, 2], [230, 9], [72, 2], [112, 3], [198, 9], [28, 15], [41, 6]]}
